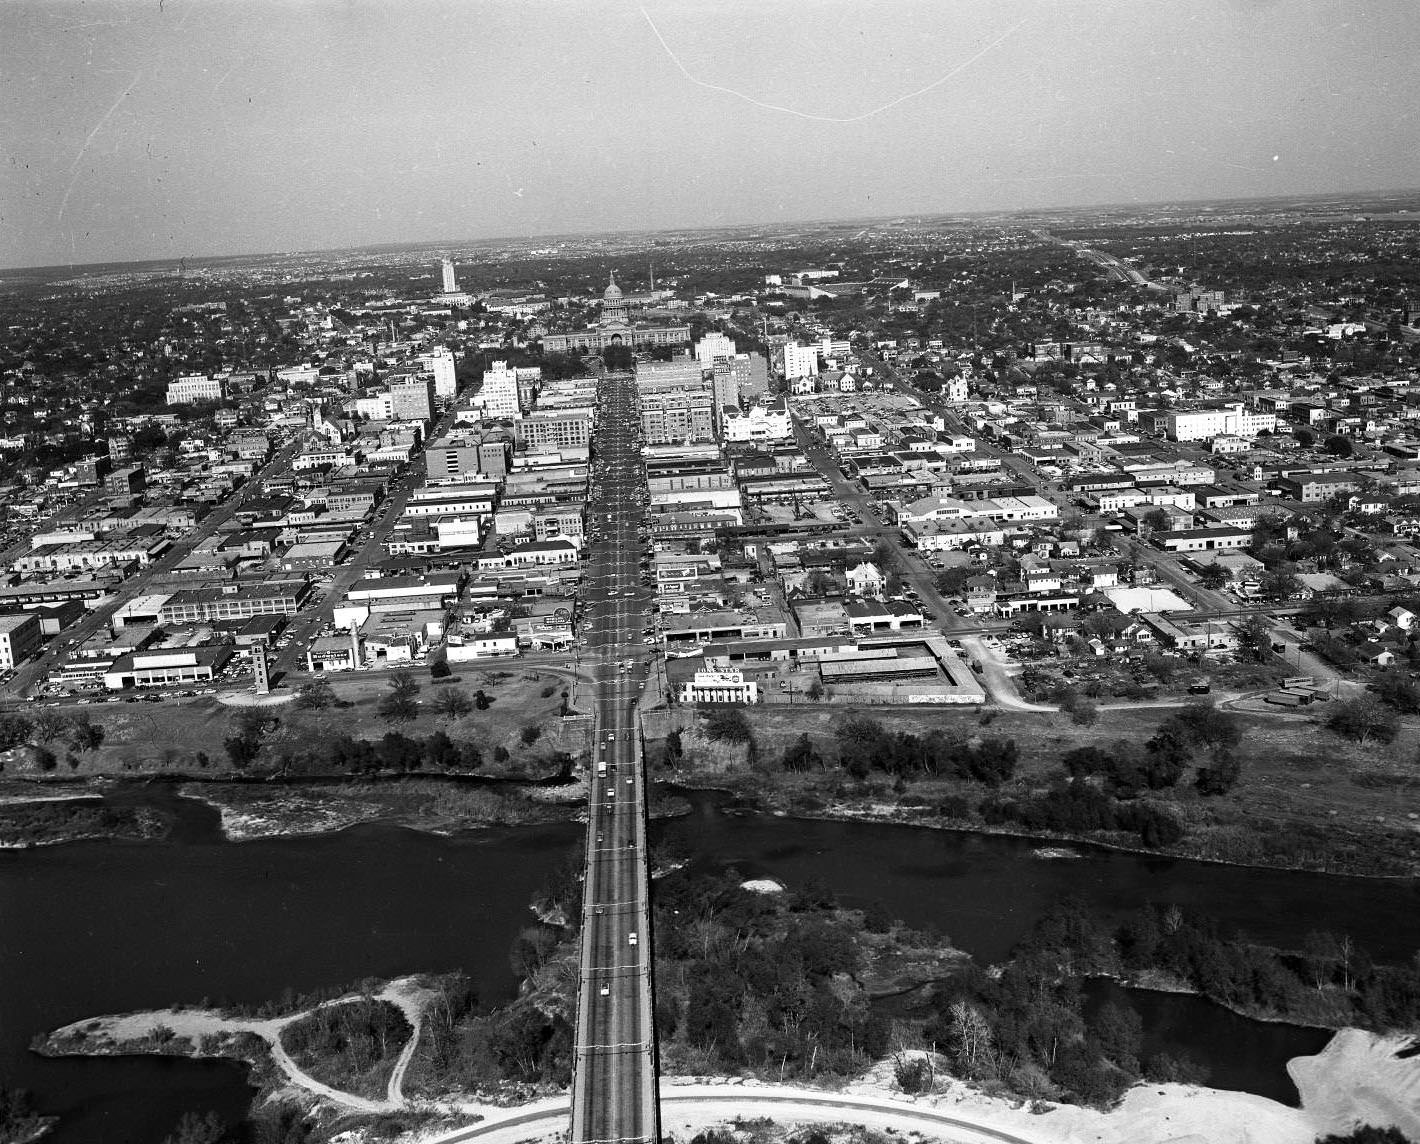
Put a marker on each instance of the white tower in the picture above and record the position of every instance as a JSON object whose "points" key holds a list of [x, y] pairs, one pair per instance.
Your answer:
{"points": [[260, 670], [451, 284]]}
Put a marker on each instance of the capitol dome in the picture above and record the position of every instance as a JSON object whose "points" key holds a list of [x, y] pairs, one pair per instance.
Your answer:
{"points": [[613, 292]]}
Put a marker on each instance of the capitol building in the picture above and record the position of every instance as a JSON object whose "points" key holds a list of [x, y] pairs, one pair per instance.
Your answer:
{"points": [[615, 327]]}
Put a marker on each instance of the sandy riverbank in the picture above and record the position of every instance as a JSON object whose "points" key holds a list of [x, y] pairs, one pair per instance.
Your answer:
{"points": [[1356, 1079]]}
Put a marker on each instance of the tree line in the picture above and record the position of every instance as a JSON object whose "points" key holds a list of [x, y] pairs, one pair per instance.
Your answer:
{"points": [[1330, 981], [865, 745]]}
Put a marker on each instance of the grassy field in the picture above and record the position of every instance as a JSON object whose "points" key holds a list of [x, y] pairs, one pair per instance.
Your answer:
{"points": [[186, 736], [1327, 802]]}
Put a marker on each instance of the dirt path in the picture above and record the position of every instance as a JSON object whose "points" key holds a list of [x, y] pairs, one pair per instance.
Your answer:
{"points": [[996, 676]]}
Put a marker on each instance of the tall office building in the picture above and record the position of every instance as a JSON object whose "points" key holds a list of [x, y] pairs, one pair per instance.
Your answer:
{"points": [[451, 284], [412, 399], [713, 345], [500, 391], [529, 378], [440, 363], [747, 373], [800, 361]]}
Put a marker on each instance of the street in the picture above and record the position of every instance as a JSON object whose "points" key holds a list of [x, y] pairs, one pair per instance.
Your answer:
{"points": [[614, 1090]]}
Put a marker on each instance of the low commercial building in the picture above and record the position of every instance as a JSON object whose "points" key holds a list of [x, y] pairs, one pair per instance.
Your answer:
{"points": [[20, 637], [948, 535], [1203, 539], [313, 554], [869, 616], [719, 626], [719, 687], [160, 668], [417, 593], [333, 653], [90, 554]]}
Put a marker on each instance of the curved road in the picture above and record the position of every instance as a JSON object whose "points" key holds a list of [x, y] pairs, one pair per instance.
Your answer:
{"points": [[794, 1104]]}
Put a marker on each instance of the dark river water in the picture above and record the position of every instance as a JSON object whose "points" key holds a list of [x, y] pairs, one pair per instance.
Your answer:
{"points": [[92, 928]]}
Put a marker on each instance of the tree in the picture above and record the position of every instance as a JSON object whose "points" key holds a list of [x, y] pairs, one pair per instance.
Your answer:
{"points": [[84, 734], [399, 752], [1255, 637], [1213, 577], [14, 730], [815, 691], [48, 725], [481, 702], [1338, 446], [1279, 585], [400, 705], [1220, 775], [1364, 719], [800, 755], [1396, 691], [440, 669], [441, 752], [913, 1074], [530, 734], [971, 1038], [196, 1128], [1118, 1033], [951, 581], [1368, 1134], [1156, 520], [452, 704], [244, 746], [728, 724], [316, 695]]}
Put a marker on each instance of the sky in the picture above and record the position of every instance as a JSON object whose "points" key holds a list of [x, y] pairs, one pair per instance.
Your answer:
{"points": [[135, 129]]}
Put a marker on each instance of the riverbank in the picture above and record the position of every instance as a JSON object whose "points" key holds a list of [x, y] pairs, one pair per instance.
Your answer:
{"points": [[942, 804], [432, 804], [1304, 798], [34, 813], [76, 818], [1359, 1078]]}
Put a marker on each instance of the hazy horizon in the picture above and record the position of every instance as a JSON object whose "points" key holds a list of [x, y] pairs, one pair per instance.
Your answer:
{"points": [[213, 130]]}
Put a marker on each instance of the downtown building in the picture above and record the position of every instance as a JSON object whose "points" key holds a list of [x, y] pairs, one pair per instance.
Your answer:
{"points": [[194, 387], [556, 429]]}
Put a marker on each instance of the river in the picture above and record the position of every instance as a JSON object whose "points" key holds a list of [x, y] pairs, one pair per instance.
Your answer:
{"points": [[94, 927]]}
